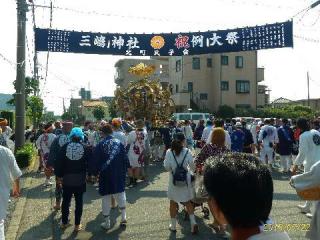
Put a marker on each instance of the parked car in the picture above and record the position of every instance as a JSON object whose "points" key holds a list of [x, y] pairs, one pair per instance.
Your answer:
{"points": [[195, 116]]}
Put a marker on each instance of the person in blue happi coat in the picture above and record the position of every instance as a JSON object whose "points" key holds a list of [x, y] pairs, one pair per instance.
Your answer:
{"points": [[112, 163]]}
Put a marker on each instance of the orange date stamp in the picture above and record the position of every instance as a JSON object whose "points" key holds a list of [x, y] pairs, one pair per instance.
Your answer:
{"points": [[287, 227]]}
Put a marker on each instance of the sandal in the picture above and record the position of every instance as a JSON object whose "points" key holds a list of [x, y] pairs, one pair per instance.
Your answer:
{"points": [[64, 226], [172, 229], [123, 223], [77, 228]]}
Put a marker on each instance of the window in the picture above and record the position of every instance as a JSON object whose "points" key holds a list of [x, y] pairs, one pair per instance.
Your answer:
{"points": [[184, 117], [190, 86], [203, 96], [196, 116], [242, 86], [224, 85], [177, 88], [239, 62], [209, 62], [224, 60], [178, 65], [196, 63]]}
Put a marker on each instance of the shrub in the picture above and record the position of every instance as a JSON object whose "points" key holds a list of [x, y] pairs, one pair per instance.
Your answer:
{"points": [[24, 155], [225, 111]]}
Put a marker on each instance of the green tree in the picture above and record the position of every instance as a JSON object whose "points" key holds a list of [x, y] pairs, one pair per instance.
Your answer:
{"points": [[48, 117], [31, 88], [112, 109], [35, 109], [99, 112], [225, 111], [67, 116]]}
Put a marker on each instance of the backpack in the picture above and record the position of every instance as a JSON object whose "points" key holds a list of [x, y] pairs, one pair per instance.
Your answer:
{"points": [[267, 132], [180, 174]]}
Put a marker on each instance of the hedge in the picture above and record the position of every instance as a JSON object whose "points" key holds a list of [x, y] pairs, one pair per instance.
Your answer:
{"points": [[24, 155]]}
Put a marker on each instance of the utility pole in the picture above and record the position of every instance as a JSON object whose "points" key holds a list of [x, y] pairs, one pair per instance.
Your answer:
{"points": [[20, 78], [35, 57], [308, 83]]}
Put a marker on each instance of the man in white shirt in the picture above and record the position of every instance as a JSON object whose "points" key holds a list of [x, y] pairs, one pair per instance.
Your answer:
{"points": [[206, 131], [43, 144], [9, 171], [268, 138], [309, 153]]}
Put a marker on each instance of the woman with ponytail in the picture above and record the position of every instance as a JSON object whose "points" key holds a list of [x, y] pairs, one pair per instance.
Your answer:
{"points": [[179, 163]]}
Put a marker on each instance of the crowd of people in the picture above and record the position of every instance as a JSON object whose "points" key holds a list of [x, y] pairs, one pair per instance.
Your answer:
{"points": [[225, 164]]}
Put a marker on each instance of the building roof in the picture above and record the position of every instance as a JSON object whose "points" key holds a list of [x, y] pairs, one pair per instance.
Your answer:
{"points": [[94, 103], [282, 100]]}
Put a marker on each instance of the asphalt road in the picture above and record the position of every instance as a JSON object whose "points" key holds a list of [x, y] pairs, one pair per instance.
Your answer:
{"points": [[147, 212]]}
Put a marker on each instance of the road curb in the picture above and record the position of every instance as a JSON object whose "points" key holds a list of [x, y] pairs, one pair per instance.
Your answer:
{"points": [[13, 227], [16, 216]]}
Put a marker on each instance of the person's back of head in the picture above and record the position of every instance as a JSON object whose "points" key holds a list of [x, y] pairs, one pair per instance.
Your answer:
{"points": [[209, 123], [106, 130], [303, 124], [218, 137], [284, 121], [316, 124], [218, 123], [267, 122], [76, 135], [178, 143], [241, 189]]}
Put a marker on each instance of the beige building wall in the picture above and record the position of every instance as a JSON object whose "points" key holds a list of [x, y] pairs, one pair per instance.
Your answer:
{"points": [[263, 96], [206, 80]]}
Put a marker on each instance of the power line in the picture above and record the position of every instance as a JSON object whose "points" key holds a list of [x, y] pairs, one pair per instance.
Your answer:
{"points": [[12, 63], [8, 60], [305, 10], [307, 39], [47, 60]]}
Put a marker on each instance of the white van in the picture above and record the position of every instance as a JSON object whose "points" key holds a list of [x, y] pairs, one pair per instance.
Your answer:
{"points": [[195, 116]]}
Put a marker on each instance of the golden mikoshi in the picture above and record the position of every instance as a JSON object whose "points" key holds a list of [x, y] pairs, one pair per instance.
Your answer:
{"points": [[144, 98]]}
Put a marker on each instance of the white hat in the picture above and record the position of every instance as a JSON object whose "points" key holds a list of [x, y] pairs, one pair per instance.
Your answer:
{"points": [[238, 124]]}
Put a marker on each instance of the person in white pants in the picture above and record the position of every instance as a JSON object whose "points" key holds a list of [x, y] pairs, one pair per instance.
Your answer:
{"points": [[9, 171], [285, 135], [112, 163], [309, 154], [268, 137]]}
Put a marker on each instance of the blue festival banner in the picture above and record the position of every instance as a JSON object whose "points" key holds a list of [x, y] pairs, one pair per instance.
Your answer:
{"points": [[269, 36]]}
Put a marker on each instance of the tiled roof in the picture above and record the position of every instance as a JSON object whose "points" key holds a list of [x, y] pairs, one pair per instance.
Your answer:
{"points": [[281, 101]]}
